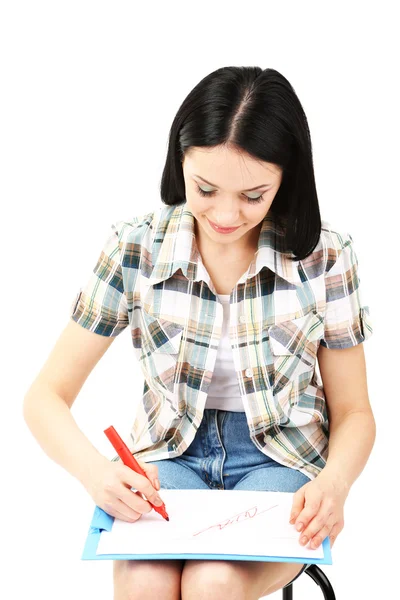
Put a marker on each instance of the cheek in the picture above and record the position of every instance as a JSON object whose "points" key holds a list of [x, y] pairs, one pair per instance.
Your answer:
{"points": [[262, 209], [197, 204], [255, 214]]}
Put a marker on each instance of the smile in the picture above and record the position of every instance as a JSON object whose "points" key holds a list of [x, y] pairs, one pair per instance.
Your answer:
{"points": [[222, 229]]}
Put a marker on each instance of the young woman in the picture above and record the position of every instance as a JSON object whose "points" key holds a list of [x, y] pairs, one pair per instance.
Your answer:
{"points": [[232, 290]]}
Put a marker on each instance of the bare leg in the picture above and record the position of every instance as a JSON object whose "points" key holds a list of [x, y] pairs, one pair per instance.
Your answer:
{"points": [[147, 579], [234, 580]]}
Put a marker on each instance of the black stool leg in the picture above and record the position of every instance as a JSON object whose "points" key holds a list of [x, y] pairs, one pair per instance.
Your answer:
{"points": [[287, 593], [320, 579]]}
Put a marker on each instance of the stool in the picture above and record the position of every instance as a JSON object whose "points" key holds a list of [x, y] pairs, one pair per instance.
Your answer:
{"points": [[320, 579]]}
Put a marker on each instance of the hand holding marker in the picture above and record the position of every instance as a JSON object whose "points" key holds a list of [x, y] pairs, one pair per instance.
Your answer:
{"points": [[130, 461]]}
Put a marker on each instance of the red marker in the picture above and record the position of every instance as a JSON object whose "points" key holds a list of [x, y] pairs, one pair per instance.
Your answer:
{"points": [[130, 461]]}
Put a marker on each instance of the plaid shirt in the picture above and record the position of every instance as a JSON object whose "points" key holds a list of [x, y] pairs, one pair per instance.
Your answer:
{"points": [[150, 276]]}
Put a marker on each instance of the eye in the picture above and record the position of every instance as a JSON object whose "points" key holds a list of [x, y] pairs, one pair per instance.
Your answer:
{"points": [[212, 193]]}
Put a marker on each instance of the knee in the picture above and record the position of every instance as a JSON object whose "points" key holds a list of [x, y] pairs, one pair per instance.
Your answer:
{"points": [[142, 590], [212, 580], [142, 580]]}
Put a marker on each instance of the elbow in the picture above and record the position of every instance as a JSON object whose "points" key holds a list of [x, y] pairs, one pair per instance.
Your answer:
{"points": [[27, 408], [30, 404], [368, 424]]}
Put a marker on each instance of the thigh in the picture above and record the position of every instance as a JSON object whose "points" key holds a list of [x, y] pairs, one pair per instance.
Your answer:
{"points": [[142, 579], [236, 578], [245, 466], [272, 479], [174, 474]]}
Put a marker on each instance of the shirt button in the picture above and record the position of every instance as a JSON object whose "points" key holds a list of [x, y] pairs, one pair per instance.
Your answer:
{"points": [[268, 438], [248, 372], [242, 319]]}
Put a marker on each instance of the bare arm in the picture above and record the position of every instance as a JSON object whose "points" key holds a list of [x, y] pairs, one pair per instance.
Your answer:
{"points": [[47, 403], [52, 424], [47, 411], [352, 423]]}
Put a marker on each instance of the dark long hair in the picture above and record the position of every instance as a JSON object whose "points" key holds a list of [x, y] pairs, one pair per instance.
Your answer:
{"points": [[256, 111]]}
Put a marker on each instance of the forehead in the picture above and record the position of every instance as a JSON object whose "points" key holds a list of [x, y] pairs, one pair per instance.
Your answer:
{"points": [[225, 166]]}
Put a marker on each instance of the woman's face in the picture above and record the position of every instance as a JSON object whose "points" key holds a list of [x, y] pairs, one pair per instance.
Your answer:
{"points": [[227, 199]]}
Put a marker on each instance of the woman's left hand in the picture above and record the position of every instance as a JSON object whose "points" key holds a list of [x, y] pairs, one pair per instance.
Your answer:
{"points": [[319, 506]]}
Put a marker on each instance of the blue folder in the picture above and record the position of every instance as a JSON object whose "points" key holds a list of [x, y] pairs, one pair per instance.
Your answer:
{"points": [[102, 521]]}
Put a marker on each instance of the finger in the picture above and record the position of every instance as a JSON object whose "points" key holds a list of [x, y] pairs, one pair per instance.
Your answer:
{"points": [[325, 516], [334, 533], [317, 539], [120, 510], [126, 496], [310, 510], [317, 529], [297, 506], [151, 472], [137, 501], [140, 482], [127, 515]]}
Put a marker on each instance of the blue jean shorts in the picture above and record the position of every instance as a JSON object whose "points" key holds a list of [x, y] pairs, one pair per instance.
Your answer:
{"points": [[222, 456]]}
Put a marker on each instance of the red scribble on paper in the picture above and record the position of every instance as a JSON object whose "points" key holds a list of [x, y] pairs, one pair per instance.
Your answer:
{"points": [[249, 513]]}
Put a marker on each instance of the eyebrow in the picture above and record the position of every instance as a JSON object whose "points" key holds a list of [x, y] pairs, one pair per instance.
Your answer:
{"points": [[249, 190]]}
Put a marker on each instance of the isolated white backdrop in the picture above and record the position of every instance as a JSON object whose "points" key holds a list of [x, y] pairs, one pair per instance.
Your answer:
{"points": [[89, 91]]}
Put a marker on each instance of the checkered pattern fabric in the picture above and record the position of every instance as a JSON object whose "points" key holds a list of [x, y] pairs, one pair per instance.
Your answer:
{"points": [[150, 278]]}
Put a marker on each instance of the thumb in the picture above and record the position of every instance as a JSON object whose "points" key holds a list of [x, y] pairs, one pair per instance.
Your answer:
{"points": [[151, 472]]}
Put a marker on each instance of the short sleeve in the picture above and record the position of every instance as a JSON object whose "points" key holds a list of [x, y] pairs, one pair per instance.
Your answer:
{"points": [[100, 305], [347, 318]]}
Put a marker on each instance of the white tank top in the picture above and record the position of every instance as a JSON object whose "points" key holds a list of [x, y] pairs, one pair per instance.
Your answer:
{"points": [[224, 390]]}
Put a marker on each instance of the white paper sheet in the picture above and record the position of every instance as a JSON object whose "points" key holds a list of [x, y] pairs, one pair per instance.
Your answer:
{"points": [[212, 522]]}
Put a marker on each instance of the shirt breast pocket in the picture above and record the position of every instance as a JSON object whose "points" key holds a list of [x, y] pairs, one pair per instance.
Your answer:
{"points": [[160, 351], [294, 345]]}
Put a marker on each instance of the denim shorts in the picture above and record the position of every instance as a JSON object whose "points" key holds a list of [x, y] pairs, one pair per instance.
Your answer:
{"points": [[222, 456]]}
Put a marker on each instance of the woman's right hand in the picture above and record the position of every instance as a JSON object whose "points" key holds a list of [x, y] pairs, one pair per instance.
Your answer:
{"points": [[110, 483]]}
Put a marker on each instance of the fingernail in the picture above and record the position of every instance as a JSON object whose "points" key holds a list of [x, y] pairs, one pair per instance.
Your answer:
{"points": [[158, 501], [299, 526], [303, 540]]}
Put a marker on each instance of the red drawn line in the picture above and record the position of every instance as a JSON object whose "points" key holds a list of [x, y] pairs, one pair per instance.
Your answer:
{"points": [[249, 513]]}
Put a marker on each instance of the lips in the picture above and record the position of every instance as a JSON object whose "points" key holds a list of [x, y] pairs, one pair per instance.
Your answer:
{"points": [[222, 229]]}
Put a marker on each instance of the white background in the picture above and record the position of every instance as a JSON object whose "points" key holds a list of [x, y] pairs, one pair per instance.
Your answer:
{"points": [[88, 94]]}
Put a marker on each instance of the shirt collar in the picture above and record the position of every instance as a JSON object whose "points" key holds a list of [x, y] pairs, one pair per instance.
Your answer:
{"points": [[174, 248]]}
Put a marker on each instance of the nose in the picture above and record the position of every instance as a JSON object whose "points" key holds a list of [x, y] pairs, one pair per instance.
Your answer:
{"points": [[226, 214]]}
